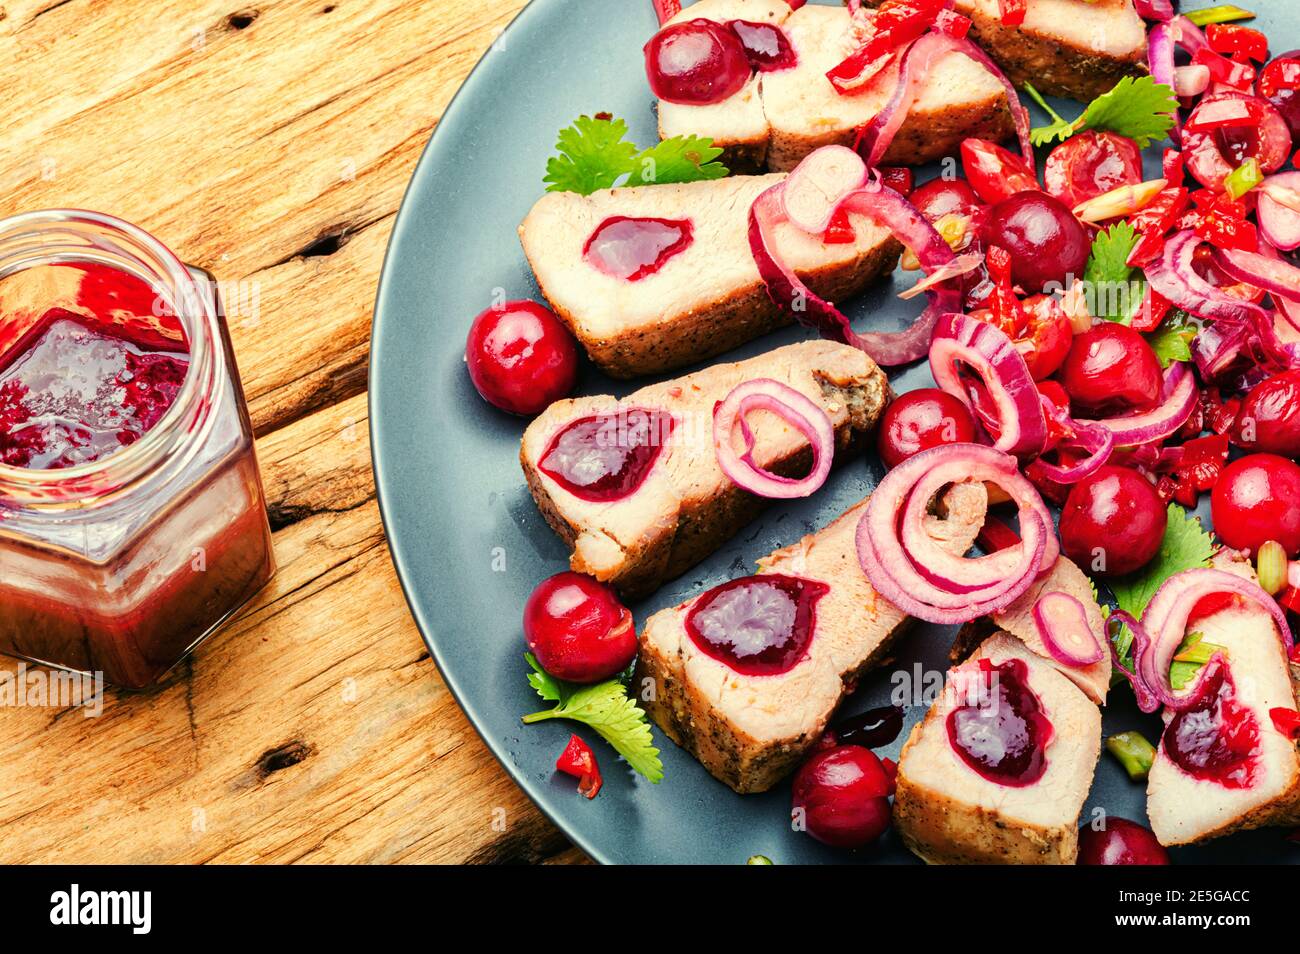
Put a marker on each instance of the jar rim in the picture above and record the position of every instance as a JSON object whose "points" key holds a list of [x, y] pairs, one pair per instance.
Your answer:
{"points": [[85, 484]]}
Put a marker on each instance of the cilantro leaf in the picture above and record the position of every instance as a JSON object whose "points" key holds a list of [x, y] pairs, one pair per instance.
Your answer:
{"points": [[1058, 128], [604, 707], [1186, 544], [594, 155], [1140, 109], [1111, 291], [680, 159], [1172, 341]]}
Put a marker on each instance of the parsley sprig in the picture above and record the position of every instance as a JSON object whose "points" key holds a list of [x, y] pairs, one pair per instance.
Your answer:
{"points": [[593, 155], [1140, 108], [605, 707], [1116, 287]]}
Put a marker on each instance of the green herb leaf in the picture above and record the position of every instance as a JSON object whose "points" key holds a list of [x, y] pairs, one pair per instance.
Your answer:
{"points": [[604, 707], [1057, 129], [1113, 294], [594, 155], [1172, 341], [1186, 544], [1141, 109]]}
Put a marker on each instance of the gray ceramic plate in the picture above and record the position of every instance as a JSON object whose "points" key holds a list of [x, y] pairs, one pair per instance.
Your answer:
{"points": [[468, 542]]}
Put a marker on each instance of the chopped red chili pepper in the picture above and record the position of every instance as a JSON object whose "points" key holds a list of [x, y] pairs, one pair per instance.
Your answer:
{"points": [[952, 24], [1152, 312], [665, 10], [1173, 167], [1240, 76], [1290, 600], [1199, 469], [1220, 415], [1286, 721], [578, 760], [1219, 113], [1282, 74], [1209, 605], [840, 231], [1221, 221], [1007, 312], [1155, 221], [898, 178], [896, 23], [891, 770], [996, 535], [1239, 42], [1011, 12]]}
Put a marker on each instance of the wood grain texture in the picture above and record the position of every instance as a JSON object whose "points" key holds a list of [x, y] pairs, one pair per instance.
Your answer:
{"points": [[270, 143]]}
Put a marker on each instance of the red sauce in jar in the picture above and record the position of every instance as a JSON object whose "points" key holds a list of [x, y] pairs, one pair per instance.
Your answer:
{"points": [[87, 371]]}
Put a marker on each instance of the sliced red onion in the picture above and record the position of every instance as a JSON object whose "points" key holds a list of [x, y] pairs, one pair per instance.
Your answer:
{"points": [[1188, 35], [789, 293], [1178, 399], [1165, 621], [1062, 622], [1279, 210], [1174, 278], [1146, 701], [1191, 80], [875, 138], [1274, 275], [961, 341], [1160, 62], [817, 186], [950, 589], [793, 407], [1161, 10], [1097, 440], [961, 265]]}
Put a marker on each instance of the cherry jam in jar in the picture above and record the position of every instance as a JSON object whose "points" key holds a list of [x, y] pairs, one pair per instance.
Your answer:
{"points": [[132, 518]]}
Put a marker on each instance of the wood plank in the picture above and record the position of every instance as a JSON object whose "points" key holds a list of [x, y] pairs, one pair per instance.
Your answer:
{"points": [[269, 144], [315, 728]]}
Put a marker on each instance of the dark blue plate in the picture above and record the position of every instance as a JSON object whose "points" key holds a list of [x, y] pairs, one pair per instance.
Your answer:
{"points": [[469, 543]]}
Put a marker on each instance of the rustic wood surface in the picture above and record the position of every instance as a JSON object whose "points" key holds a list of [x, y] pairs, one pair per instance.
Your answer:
{"points": [[269, 143]]}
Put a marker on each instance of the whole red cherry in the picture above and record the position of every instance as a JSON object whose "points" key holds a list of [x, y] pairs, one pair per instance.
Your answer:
{"points": [[577, 628], [1121, 842], [521, 357], [1111, 369], [1047, 243], [921, 419], [842, 796], [1113, 522], [939, 197], [1269, 419], [696, 62], [1257, 499]]}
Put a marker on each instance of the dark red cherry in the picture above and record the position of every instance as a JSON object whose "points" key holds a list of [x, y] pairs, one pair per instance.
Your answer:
{"points": [[1257, 499], [1269, 419], [1111, 369], [521, 357], [1120, 842], [1047, 243], [921, 419], [577, 629], [1086, 165], [841, 796], [1113, 522], [696, 62]]}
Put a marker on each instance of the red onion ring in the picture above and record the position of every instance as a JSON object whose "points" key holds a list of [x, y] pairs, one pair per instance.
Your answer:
{"points": [[1097, 440], [1146, 702], [1273, 274], [984, 348], [1173, 277], [963, 264], [951, 590], [1062, 622], [1165, 621], [791, 295], [1279, 222], [1160, 62], [1178, 400], [1162, 10], [817, 186], [875, 137], [797, 410]]}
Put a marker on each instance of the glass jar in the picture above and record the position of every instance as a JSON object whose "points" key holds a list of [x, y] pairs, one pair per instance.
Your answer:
{"points": [[124, 564]]}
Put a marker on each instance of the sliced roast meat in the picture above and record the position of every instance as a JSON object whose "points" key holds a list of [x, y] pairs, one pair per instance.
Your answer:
{"points": [[1226, 766], [749, 730], [706, 296], [999, 779], [781, 116], [684, 506]]}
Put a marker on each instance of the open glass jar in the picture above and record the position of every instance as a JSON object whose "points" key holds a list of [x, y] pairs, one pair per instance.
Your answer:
{"points": [[132, 518]]}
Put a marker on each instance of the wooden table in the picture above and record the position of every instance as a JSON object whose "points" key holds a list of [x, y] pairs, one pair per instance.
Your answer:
{"points": [[269, 143]]}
